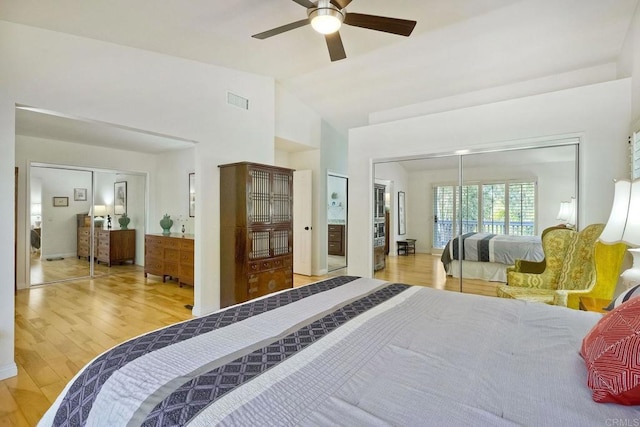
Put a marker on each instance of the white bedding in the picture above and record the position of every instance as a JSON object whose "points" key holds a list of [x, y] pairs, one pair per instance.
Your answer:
{"points": [[418, 356]]}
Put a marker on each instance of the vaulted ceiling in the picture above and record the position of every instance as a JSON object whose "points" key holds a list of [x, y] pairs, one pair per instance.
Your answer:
{"points": [[458, 46]]}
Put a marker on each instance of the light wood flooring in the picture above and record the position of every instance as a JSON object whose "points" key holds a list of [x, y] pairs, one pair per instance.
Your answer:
{"points": [[61, 327]]}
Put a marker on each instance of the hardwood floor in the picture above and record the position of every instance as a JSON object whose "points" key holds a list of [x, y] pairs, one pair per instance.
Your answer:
{"points": [[61, 327]]}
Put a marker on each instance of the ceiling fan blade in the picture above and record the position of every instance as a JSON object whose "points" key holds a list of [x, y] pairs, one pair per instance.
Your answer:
{"points": [[305, 3], [402, 27], [336, 48], [340, 3], [279, 30]]}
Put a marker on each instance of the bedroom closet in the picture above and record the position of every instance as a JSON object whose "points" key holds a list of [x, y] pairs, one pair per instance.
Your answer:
{"points": [[512, 190]]}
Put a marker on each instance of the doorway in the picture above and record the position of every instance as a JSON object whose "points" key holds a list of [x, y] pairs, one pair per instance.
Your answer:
{"points": [[337, 199]]}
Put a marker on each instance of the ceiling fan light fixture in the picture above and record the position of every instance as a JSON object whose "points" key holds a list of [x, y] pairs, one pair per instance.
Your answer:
{"points": [[326, 20]]}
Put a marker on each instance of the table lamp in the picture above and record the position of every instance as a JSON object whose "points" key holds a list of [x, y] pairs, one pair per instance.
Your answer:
{"points": [[624, 225]]}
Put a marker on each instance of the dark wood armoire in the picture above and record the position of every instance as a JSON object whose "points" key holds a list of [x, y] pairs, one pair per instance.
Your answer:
{"points": [[256, 231]]}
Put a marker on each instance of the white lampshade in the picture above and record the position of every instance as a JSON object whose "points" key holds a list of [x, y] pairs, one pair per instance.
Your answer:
{"points": [[573, 210], [99, 210], [563, 213], [119, 209], [615, 228]]}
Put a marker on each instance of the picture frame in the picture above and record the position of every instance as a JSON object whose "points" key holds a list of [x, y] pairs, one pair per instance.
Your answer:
{"points": [[60, 202], [192, 195], [80, 194], [120, 197], [402, 228]]}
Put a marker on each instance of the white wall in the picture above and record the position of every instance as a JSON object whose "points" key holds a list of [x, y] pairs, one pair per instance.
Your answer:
{"points": [[59, 225], [599, 114], [142, 90], [295, 121], [171, 193], [629, 66]]}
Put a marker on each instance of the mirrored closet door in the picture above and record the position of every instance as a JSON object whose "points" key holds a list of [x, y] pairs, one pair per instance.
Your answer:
{"points": [[442, 202]]}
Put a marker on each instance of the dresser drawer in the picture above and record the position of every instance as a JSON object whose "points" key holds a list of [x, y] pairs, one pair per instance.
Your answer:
{"points": [[171, 255], [186, 245], [172, 243], [186, 258], [335, 236], [153, 266], [269, 281], [171, 269]]}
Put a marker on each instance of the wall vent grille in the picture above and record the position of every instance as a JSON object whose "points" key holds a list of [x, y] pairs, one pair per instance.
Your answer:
{"points": [[237, 101]]}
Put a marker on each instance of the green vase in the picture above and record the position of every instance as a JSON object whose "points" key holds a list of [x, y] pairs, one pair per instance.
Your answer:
{"points": [[166, 222], [124, 222]]}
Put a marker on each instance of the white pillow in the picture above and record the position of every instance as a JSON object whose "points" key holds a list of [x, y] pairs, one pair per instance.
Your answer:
{"points": [[625, 296]]}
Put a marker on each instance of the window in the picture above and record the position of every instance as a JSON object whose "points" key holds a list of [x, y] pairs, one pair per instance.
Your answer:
{"points": [[497, 208], [635, 155]]}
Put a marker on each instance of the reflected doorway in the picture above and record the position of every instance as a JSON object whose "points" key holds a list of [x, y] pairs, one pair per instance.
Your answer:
{"points": [[337, 196]]}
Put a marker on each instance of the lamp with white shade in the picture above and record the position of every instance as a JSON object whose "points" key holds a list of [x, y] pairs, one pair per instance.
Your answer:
{"points": [[98, 213], [567, 213], [624, 225]]}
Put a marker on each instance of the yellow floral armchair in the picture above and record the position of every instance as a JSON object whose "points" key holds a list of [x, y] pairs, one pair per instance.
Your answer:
{"points": [[577, 265], [526, 266]]}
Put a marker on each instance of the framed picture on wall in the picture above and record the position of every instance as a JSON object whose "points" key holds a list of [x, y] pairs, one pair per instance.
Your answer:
{"points": [[59, 202], [192, 195], [80, 194], [402, 228], [120, 197]]}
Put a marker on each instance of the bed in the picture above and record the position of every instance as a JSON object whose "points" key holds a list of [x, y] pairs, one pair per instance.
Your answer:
{"points": [[486, 256], [348, 351]]}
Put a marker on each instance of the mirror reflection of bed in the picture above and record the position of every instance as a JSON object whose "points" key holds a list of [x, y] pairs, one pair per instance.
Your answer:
{"points": [[511, 195]]}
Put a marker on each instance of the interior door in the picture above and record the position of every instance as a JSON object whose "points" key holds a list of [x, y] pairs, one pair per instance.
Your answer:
{"points": [[302, 220]]}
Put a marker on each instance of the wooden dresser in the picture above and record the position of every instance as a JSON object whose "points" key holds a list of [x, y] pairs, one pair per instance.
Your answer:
{"points": [[109, 246], [116, 246], [336, 239], [256, 231], [169, 256], [84, 239]]}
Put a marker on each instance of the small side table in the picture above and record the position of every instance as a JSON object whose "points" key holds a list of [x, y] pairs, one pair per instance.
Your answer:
{"points": [[594, 304], [406, 247]]}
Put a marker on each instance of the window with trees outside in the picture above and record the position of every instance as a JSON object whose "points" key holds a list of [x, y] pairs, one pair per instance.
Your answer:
{"points": [[506, 207]]}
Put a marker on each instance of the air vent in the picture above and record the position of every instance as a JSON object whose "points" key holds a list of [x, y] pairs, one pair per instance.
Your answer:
{"points": [[237, 101]]}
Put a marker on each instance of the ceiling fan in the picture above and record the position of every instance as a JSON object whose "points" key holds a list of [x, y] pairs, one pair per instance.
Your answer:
{"points": [[326, 17]]}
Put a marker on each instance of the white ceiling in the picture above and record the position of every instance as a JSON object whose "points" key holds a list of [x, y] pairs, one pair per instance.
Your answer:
{"points": [[458, 46]]}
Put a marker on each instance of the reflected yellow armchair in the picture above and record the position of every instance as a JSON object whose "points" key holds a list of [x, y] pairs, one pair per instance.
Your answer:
{"points": [[526, 266]]}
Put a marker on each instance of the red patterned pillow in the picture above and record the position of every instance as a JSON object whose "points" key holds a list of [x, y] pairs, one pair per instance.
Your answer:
{"points": [[611, 351]]}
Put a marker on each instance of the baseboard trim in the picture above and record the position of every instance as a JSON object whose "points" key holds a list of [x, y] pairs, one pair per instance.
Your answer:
{"points": [[8, 371]]}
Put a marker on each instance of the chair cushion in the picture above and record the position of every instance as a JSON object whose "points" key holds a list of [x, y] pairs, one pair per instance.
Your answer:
{"points": [[611, 351], [526, 294], [624, 297]]}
